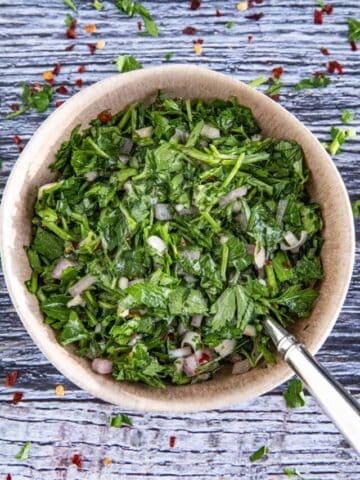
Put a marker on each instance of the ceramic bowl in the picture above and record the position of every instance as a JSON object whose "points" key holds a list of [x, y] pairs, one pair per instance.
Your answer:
{"points": [[31, 170]]}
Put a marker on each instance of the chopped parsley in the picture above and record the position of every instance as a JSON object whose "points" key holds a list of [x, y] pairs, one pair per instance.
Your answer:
{"points": [[37, 98], [98, 5], [229, 25], [260, 453], [24, 452], [347, 116], [171, 231], [294, 394], [168, 56], [339, 137], [293, 472], [318, 81], [127, 63], [134, 8], [119, 420], [70, 4], [257, 81], [356, 209], [353, 30]]}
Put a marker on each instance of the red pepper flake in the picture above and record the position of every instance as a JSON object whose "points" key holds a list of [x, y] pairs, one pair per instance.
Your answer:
{"points": [[17, 397], [204, 358], [286, 266], [318, 18], [62, 90], [77, 460], [277, 72], [328, 9], [334, 66], [139, 25], [324, 51], [8, 476], [195, 4], [255, 16], [104, 117], [200, 41], [276, 98], [71, 31], [17, 141], [14, 107], [56, 69], [353, 46], [79, 82], [217, 13], [318, 74], [250, 37], [92, 48], [81, 69], [11, 378], [172, 441], [211, 180], [69, 48], [259, 2], [190, 30], [58, 103]]}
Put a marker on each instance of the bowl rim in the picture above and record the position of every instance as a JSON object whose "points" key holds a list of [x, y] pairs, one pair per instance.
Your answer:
{"points": [[61, 362]]}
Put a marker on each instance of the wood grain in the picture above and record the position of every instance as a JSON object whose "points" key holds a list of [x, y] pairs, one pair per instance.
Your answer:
{"points": [[215, 443]]}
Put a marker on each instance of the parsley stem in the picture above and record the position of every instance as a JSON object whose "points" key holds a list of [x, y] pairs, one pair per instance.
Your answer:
{"points": [[224, 261], [234, 170]]}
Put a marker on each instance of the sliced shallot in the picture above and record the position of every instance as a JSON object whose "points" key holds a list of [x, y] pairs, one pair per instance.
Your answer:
{"points": [[259, 256], [145, 132], [123, 283], [250, 331], [157, 243], [124, 159], [76, 301], [292, 243], [241, 367], [225, 348], [61, 266], [81, 285], [196, 320], [162, 211], [193, 339], [127, 146], [210, 132], [190, 365], [91, 176], [233, 195], [102, 366], [180, 352]]}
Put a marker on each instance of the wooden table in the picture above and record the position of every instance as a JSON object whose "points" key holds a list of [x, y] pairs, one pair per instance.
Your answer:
{"points": [[214, 444]]}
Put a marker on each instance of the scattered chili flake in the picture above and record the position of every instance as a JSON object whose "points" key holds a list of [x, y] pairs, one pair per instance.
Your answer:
{"points": [[197, 48], [58, 103], [242, 6], [318, 74], [48, 76], [275, 97], [250, 37], [77, 460], [14, 107], [172, 441], [255, 16], [8, 477], [91, 28], [17, 397], [92, 48], [79, 82], [139, 25], [69, 48], [81, 69], [324, 51], [107, 461], [200, 41], [353, 46], [190, 30], [328, 9], [259, 2], [17, 141], [100, 44], [277, 72], [104, 117], [195, 4], [62, 90], [71, 30], [56, 69], [334, 66], [318, 18], [11, 378], [60, 390], [217, 13], [204, 358]]}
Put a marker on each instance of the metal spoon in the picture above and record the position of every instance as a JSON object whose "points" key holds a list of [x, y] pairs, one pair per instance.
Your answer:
{"points": [[337, 403]]}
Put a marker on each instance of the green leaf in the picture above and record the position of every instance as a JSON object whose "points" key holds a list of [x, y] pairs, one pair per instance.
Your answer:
{"points": [[127, 63], [98, 5], [24, 452], [298, 300], [257, 81], [320, 81], [168, 56], [353, 29], [230, 24], [260, 453], [294, 394], [73, 331], [70, 4], [134, 8], [119, 420], [293, 472], [347, 116], [356, 209], [48, 244], [34, 98]]}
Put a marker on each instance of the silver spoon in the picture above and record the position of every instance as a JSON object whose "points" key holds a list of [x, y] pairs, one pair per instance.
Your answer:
{"points": [[337, 403]]}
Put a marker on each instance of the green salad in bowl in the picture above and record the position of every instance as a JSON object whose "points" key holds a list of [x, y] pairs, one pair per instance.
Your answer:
{"points": [[172, 230]]}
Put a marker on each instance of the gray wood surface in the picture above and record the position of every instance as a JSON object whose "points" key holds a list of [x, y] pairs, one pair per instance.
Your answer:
{"points": [[214, 444]]}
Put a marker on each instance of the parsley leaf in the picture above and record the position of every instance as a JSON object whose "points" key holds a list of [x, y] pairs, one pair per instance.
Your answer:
{"points": [[39, 99], [294, 394], [132, 8], [320, 81], [347, 116], [119, 420], [293, 472], [168, 56], [257, 81], [70, 4], [229, 25], [24, 452], [127, 63], [339, 137], [98, 5], [356, 209], [353, 29], [260, 453]]}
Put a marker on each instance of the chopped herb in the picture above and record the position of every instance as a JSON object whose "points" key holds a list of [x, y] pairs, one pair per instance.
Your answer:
{"points": [[293, 472], [258, 81], [37, 98], [119, 420], [274, 88], [134, 8], [347, 116], [98, 5], [24, 452], [339, 137], [127, 63], [70, 4], [320, 3], [356, 209], [230, 24], [168, 56], [69, 20], [163, 214], [294, 394], [353, 32], [318, 81], [260, 453]]}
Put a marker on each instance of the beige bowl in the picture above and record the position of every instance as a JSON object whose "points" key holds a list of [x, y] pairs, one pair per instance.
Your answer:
{"points": [[115, 93]]}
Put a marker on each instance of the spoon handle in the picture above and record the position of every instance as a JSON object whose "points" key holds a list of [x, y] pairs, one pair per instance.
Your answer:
{"points": [[336, 402]]}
